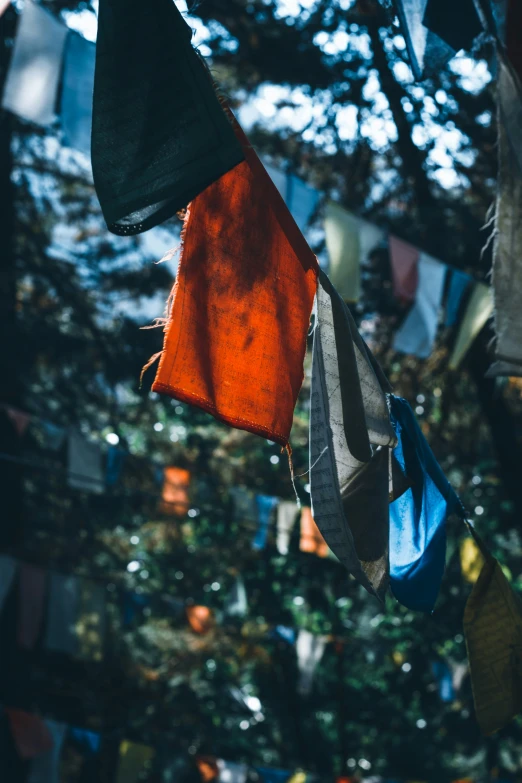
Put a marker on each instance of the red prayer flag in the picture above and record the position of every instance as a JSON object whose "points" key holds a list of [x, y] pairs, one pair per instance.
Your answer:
{"points": [[31, 736], [236, 337], [175, 497], [404, 262], [31, 595]]}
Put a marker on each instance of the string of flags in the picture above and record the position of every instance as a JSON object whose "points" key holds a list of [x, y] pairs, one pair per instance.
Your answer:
{"points": [[236, 334]]}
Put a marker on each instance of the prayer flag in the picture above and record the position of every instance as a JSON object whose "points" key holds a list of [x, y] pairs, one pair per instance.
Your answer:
{"points": [[19, 418], [349, 420], [31, 604], [8, 568], [46, 768], [231, 773], [236, 337], [31, 86], [301, 199], [116, 458], [417, 333], [271, 775], [133, 762], [77, 91], [84, 464], [427, 52], [418, 517], [90, 625], [201, 619], [457, 24], [31, 735], [160, 135], [310, 650], [342, 242], [370, 238], [175, 497], [265, 507], [458, 285], [507, 251], [62, 614], [443, 676], [493, 631], [471, 559], [237, 603], [286, 516], [208, 768], [284, 633], [311, 539], [245, 506], [53, 436], [278, 177], [478, 311], [404, 262], [90, 740], [3, 5]]}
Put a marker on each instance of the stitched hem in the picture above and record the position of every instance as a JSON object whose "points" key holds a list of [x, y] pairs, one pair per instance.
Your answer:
{"points": [[201, 402]]}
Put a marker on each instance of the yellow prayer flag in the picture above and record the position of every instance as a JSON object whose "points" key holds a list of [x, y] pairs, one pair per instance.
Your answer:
{"points": [[493, 630], [298, 777], [134, 758], [342, 242], [479, 309], [471, 560]]}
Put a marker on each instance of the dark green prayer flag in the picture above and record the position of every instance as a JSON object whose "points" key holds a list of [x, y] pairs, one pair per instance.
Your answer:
{"points": [[160, 135]]}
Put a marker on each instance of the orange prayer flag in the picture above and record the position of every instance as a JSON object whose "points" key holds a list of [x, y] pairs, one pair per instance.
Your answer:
{"points": [[31, 736], [208, 768], [236, 337], [200, 618], [311, 538], [175, 497]]}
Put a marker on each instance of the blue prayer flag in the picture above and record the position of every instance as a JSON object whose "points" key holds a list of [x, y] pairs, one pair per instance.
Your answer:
{"points": [[457, 288], [269, 775], [89, 739], [418, 517], [265, 505]]}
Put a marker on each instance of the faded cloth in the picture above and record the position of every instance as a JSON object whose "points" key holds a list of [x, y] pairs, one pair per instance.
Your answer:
{"points": [[84, 464], [62, 614], [418, 331], [342, 242], [418, 517], [349, 476], [31, 87], [427, 52], [31, 736], [493, 631], [458, 285], [286, 516], [236, 337], [477, 313], [31, 604], [134, 760], [507, 254], [46, 768], [159, 135], [8, 567], [310, 649], [405, 274], [77, 91], [175, 494], [265, 506]]}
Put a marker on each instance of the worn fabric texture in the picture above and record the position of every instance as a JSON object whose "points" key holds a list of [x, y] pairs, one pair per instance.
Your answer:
{"points": [[342, 243], [310, 649], [32, 584], [405, 272], [507, 253], [478, 311], [427, 52], [77, 92], [265, 506], [236, 337], [31, 87], [84, 464], [493, 631], [286, 517], [31, 736], [46, 768], [159, 134], [458, 285], [350, 436], [418, 331], [418, 517], [62, 614]]}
